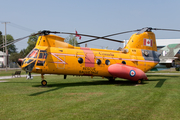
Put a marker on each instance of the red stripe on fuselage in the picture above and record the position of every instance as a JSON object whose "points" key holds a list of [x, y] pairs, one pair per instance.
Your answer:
{"points": [[89, 57]]}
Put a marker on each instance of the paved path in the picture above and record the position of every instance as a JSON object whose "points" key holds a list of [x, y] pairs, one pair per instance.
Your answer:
{"points": [[10, 77]]}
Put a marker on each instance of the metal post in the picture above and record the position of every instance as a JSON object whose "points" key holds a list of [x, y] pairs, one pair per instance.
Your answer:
{"points": [[6, 60], [3, 42], [74, 42]]}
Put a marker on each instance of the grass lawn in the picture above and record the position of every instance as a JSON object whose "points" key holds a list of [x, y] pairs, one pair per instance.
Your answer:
{"points": [[9, 72], [91, 99]]}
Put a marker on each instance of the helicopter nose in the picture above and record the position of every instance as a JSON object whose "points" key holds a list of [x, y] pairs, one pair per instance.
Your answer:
{"points": [[29, 65], [20, 61]]}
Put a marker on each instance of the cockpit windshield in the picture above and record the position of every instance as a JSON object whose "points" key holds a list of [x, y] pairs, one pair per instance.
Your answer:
{"points": [[33, 53]]}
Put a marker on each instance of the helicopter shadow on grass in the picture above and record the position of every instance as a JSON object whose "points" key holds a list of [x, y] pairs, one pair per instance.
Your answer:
{"points": [[160, 83], [161, 79], [161, 76], [84, 83]]}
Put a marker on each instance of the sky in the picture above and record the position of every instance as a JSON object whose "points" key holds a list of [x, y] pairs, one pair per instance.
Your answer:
{"points": [[93, 17]]}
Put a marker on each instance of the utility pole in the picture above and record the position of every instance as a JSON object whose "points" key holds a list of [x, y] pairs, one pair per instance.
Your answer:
{"points": [[3, 42], [6, 57]]}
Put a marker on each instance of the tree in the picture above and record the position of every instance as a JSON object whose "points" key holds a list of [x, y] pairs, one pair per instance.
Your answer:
{"points": [[22, 53], [11, 48], [31, 44], [15, 56], [1, 38], [71, 39]]}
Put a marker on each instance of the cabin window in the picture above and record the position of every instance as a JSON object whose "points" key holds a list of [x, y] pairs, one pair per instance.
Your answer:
{"points": [[98, 61], [107, 62], [80, 60], [123, 62]]}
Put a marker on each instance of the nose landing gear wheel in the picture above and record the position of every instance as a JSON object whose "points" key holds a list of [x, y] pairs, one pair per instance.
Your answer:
{"points": [[44, 82]]}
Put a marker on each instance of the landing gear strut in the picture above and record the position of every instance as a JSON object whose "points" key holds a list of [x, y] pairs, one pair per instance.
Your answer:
{"points": [[29, 76], [43, 82], [111, 79]]}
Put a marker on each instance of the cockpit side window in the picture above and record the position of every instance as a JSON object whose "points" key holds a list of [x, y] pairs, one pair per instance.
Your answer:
{"points": [[41, 58], [42, 54]]}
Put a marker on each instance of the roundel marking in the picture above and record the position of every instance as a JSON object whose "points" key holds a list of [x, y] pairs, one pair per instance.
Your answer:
{"points": [[132, 73]]}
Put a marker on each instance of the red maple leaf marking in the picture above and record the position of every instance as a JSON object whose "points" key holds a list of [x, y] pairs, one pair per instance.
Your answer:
{"points": [[148, 42]]}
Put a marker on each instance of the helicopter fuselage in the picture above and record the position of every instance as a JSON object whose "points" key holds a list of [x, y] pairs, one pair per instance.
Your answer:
{"points": [[52, 55], [84, 61]]}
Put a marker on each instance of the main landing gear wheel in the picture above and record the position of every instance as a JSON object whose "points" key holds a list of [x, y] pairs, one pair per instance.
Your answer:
{"points": [[139, 81], [44, 82]]}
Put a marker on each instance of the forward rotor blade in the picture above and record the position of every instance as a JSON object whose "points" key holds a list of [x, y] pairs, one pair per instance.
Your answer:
{"points": [[111, 35], [17, 40], [14, 41], [166, 29]]}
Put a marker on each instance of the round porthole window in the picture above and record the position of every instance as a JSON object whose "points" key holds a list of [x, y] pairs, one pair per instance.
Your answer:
{"points": [[80, 60], [98, 61], [123, 62], [107, 62]]}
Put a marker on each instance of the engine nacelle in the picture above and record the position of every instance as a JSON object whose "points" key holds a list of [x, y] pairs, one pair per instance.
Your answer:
{"points": [[126, 72]]}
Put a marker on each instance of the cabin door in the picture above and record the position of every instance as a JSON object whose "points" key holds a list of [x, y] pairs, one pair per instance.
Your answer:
{"points": [[61, 62]]}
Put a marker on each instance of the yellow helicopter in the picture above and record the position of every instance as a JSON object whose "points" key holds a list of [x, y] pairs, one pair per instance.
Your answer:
{"points": [[52, 55]]}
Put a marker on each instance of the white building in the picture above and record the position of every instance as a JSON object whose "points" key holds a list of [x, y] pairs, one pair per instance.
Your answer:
{"points": [[2, 60], [164, 42]]}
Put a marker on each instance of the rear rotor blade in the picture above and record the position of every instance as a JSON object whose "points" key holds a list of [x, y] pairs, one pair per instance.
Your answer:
{"points": [[146, 29], [96, 37], [111, 35]]}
